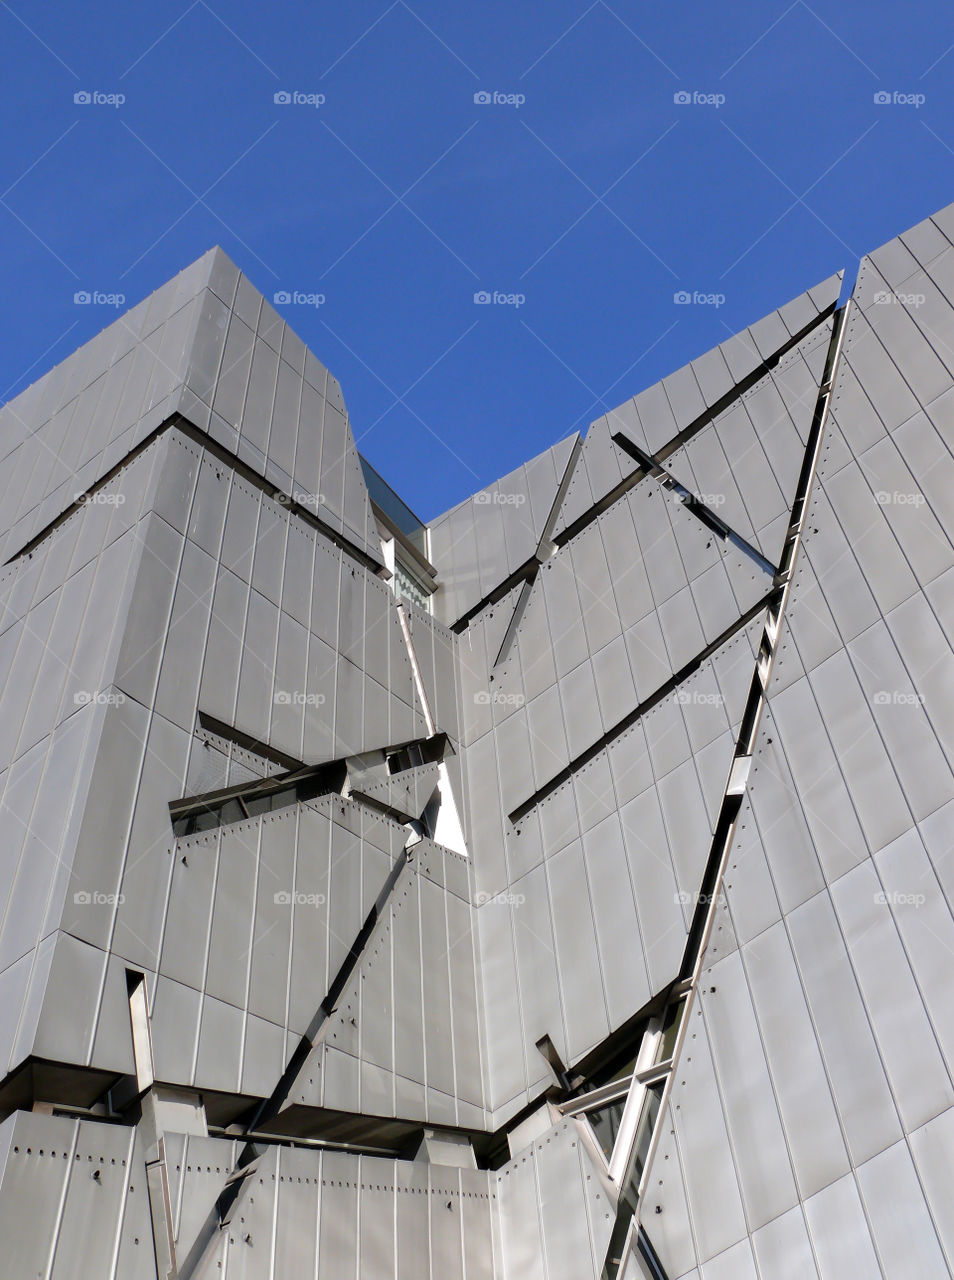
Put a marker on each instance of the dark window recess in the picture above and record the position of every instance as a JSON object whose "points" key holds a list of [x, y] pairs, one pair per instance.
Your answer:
{"points": [[426, 751], [265, 796]]}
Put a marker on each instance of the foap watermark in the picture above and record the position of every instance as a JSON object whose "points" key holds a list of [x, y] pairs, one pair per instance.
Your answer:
{"points": [[896, 899], [885, 297], [704, 499], [494, 98], [293, 898], [502, 899], [486, 298], [683, 298], [696, 698], [898, 499], [296, 98], [696, 98], [96, 898], [99, 499], [896, 98], [97, 298], [97, 98], [685, 899], [897, 698], [98, 698], [297, 698], [497, 698], [500, 499], [300, 499], [297, 298]]}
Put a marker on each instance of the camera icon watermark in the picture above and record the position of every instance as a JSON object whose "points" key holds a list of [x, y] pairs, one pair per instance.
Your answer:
{"points": [[486, 298], [99, 499], [895, 98], [696, 298], [696, 98], [898, 499], [896, 899], [298, 698], [295, 98], [97, 298], [685, 899], [495, 499], [696, 698], [494, 98], [97, 698], [297, 298], [497, 698], [300, 499], [885, 298], [685, 499], [96, 98]]}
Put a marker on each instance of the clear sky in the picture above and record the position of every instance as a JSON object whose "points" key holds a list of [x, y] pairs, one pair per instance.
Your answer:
{"points": [[586, 194]]}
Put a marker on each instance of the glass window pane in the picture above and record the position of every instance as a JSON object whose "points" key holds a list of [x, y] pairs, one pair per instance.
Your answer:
{"points": [[205, 819], [231, 811], [605, 1124], [670, 1030], [644, 1134]]}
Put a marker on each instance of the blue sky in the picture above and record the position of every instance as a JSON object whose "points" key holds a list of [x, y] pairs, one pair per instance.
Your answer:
{"points": [[583, 191]]}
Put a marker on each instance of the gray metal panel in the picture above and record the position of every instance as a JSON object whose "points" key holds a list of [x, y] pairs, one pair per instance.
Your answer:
{"points": [[923, 919], [412, 1215], [901, 1224], [219, 1055], [498, 971], [919, 1079], [527, 907], [752, 1112], [519, 1223], [804, 1096], [626, 982], [783, 1249], [658, 901], [933, 1151], [871, 781], [840, 1233], [32, 1188], [87, 1238], [574, 1240], [297, 1213], [271, 938], [852, 1060], [687, 824], [835, 829], [736, 1263], [576, 949], [706, 1153]]}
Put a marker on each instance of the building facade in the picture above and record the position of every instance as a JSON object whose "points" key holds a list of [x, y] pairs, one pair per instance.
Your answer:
{"points": [[560, 889]]}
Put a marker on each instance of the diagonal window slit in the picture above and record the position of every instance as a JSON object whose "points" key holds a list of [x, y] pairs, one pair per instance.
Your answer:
{"points": [[701, 510], [299, 783]]}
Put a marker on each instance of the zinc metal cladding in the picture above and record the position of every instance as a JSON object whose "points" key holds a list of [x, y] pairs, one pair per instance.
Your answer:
{"points": [[340, 1011]]}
